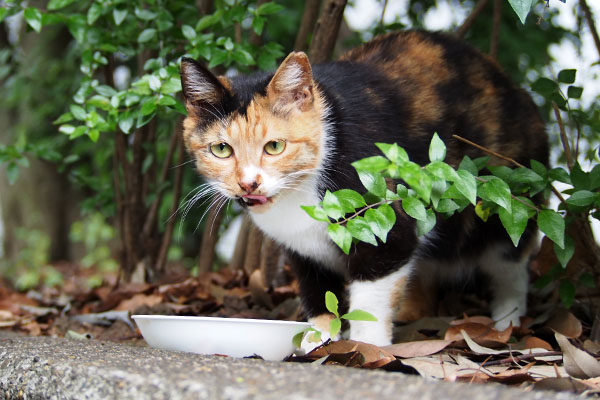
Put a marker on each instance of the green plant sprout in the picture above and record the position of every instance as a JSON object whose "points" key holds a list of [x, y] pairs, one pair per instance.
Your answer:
{"points": [[335, 325]]}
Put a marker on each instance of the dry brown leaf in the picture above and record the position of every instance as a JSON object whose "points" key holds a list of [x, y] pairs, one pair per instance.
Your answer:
{"points": [[477, 348], [591, 346], [478, 332], [370, 352], [565, 323], [258, 290], [578, 363], [533, 342], [477, 319], [561, 385], [139, 300], [417, 349]]}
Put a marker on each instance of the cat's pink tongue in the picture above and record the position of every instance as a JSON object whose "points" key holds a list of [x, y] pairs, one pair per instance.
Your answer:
{"points": [[255, 198]]}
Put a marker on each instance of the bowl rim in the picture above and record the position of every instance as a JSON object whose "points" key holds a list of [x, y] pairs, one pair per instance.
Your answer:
{"points": [[219, 319]]}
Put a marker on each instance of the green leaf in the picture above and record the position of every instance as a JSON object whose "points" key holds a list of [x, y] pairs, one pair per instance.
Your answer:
{"points": [[332, 206], [269, 8], [94, 134], [582, 198], [566, 291], [297, 339], [581, 180], [145, 15], [78, 112], [335, 325], [166, 101], [525, 175], [442, 170], [146, 35], [559, 174], [373, 182], [361, 230], [564, 255], [468, 165], [437, 149], [393, 152], [539, 168], [66, 129], [552, 225], [521, 8], [33, 16], [514, 221], [119, 15], [381, 220], [105, 90], [446, 206], [340, 236], [417, 179], [349, 199], [258, 24], [359, 315], [496, 191], [188, 32], [126, 121], [595, 177], [243, 57], [503, 172], [149, 107], [331, 303], [58, 4], [567, 75], [574, 92], [371, 164], [208, 21], [467, 185], [413, 207], [544, 86], [12, 172], [3, 13], [423, 227], [100, 102], [66, 117], [94, 12]]}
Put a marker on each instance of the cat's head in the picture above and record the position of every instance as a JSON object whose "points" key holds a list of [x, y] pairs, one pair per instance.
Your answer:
{"points": [[257, 138]]}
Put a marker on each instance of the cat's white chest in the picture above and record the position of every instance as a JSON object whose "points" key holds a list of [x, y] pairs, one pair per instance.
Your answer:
{"points": [[290, 225]]}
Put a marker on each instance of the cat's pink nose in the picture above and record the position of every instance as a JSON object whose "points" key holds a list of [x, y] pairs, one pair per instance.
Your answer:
{"points": [[248, 186]]}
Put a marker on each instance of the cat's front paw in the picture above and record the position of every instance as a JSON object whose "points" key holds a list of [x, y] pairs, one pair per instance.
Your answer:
{"points": [[320, 323]]}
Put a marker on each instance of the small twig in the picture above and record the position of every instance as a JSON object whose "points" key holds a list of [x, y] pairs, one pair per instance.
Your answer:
{"points": [[563, 136], [486, 150], [523, 357], [466, 25], [385, 4], [503, 157], [362, 210], [590, 20]]}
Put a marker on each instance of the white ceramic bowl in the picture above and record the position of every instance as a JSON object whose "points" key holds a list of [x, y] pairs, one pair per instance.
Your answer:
{"points": [[236, 337]]}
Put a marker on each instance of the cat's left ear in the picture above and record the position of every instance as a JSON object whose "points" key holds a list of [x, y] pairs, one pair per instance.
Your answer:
{"points": [[292, 84], [200, 86]]}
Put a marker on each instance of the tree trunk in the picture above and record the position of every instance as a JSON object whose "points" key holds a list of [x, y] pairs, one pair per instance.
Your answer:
{"points": [[326, 31], [307, 26]]}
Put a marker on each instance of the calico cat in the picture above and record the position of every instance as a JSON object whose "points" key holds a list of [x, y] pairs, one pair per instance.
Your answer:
{"points": [[276, 141]]}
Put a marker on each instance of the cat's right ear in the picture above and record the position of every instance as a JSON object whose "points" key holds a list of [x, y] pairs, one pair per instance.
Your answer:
{"points": [[200, 86]]}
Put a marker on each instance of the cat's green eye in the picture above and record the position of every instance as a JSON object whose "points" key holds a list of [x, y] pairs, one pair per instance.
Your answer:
{"points": [[221, 150], [275, 147]]}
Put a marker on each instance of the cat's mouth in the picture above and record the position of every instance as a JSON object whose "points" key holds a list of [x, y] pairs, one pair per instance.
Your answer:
{"points": [[252, 200]]}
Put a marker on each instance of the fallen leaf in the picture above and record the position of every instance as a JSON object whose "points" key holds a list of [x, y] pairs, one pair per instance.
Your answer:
{"points": [[561, 385], [532, 342], [370, 352], [479, 349], [478, 332], [477, 319], [565, 323], [417, 349], [591, 346], [139, 300], [578, 363]]}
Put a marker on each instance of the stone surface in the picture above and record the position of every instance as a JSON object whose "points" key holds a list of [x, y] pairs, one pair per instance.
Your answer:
{"points": [[54, 368]]}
